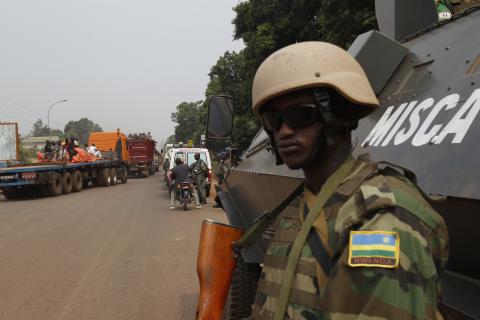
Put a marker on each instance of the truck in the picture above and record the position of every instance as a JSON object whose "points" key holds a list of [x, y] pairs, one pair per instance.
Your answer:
{"points": [[142, 156], [52, 179], [113, 145], [426, 75]]}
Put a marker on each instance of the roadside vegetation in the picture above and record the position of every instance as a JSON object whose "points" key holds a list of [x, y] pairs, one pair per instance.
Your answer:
{"points": [[265, 26], [79, 129]]}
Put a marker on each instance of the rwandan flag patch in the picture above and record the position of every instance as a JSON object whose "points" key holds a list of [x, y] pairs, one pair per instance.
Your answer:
{"points": [[374, 249]]}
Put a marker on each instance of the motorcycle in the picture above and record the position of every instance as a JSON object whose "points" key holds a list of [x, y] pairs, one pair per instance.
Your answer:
{"points": [[184, 195]]}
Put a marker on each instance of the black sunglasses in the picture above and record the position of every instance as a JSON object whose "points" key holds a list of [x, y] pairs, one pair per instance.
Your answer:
{"points": [[297, 116]]}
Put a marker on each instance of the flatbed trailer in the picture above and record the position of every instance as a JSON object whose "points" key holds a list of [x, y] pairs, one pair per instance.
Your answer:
{"points": [[55, 179]]}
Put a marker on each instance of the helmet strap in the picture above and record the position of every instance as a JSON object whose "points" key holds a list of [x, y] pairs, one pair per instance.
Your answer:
{"points": [[331, 126]]}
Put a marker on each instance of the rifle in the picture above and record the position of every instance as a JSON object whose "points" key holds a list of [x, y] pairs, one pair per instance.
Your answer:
{"points": [[215, 266], [220, 244]]}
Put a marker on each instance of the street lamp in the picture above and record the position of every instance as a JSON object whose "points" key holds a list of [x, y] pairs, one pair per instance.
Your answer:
{"points": [[48, 115]]}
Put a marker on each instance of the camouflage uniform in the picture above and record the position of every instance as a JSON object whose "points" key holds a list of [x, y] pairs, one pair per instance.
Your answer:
{"points": [[325, 286], [202, 172]]}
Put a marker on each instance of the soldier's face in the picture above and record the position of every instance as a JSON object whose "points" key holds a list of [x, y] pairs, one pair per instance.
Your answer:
{"points": [[294, 145]]}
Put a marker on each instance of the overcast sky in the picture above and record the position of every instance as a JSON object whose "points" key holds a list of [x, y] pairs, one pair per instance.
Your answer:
{"points": [[121, 63]]}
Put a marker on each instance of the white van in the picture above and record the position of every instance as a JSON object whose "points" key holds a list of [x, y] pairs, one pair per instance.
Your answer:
{"points": [[188, 157]]}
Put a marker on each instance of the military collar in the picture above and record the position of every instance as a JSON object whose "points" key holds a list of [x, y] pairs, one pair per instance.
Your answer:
{"points": [[362, 169]]}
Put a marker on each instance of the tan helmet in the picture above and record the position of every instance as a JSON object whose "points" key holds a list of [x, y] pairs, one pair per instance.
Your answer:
{"points": [[312, 64]]}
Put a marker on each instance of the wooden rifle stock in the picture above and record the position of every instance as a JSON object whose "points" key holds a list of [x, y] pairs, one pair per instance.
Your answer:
{"points": [[215, 267]]}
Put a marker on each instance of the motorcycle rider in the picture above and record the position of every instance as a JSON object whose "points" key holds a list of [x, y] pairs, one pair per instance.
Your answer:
{"points": [[200, 171], [179, 174]]}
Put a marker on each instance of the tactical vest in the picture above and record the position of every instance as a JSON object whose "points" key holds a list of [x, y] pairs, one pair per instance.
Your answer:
{"points": [[314, 265]]}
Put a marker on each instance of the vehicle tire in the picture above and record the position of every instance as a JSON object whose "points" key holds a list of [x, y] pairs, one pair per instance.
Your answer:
{"points": [[44, 190], [77, 181], [124, 175], [113, 176], [67, 182], [106, 180], [242, 290], [98, 180], [11, 193], [146, 173], [55, 187], [184, 204]]}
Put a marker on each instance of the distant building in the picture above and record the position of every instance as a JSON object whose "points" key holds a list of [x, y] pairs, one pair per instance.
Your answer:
{"points": [[37, 143]]}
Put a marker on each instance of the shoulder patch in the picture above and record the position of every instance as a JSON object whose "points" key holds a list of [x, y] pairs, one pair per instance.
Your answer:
{"points": [[379, 249]]}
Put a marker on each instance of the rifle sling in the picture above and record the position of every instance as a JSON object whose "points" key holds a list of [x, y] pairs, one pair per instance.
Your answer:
{"points": [[326, 192]]}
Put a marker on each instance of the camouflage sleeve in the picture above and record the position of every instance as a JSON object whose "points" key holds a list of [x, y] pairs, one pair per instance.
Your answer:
{"points": [[204, 167], [408, 291]]}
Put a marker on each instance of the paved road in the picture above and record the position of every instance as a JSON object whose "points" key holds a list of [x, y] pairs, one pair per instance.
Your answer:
{"points": [[105, 253]]}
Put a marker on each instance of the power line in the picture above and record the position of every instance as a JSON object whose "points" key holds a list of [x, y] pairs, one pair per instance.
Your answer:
{"points": [[20, 108]]}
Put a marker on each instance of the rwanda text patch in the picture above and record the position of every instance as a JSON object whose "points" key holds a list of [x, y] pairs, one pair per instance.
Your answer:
{"points": [[374, 249]]}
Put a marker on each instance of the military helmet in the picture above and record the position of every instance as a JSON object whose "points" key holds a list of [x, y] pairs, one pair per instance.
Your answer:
{"points": [[309, 65]]}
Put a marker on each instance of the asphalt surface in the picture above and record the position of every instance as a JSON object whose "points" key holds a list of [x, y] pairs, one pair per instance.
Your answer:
{"points": [[104, 253]]}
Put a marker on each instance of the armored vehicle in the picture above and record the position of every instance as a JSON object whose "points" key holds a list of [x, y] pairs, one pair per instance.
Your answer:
{"points": [[426, 74]]}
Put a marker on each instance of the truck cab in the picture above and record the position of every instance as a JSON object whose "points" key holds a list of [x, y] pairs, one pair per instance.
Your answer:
{"points": [[106, 143]]}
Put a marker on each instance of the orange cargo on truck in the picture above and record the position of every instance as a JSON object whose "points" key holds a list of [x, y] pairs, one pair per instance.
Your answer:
{"points": [[106, 143]]}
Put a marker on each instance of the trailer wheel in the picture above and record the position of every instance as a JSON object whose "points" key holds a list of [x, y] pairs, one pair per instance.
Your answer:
{"points": [[113, 176], [44, 190], [77, 181], [10, 193], [55, 186], [98, 179], [124, 175], [242, 291], [106, 180], [67, 182]]}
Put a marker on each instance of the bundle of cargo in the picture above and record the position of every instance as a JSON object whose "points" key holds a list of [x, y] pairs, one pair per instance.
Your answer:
{"points": [[54, 175]]}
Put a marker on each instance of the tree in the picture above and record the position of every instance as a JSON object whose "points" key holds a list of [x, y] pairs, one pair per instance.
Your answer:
{"points": [[41, 130], [81, 129], [232, 76], [171, 139], [266, 26], [188, 118]]}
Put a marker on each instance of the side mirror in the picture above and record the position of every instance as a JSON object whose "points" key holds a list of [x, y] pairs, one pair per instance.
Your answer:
{"points": [[220, 117]]}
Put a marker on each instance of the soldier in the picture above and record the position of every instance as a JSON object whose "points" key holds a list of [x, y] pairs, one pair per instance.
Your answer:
{"points": [[220, 173], [364, 242], [200, 171]]}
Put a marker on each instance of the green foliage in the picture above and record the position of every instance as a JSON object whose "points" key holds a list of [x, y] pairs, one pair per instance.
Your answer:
{"points": [[81, 129], [170, 139], [27, 155], [266, 26], [41, 130], [232, 76], [188, 118]]}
